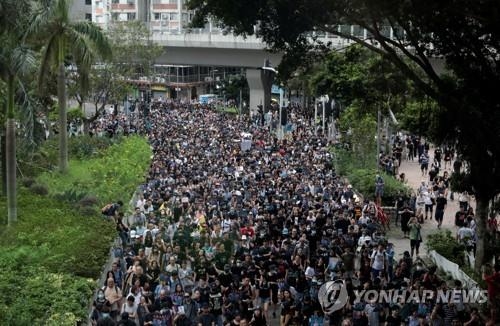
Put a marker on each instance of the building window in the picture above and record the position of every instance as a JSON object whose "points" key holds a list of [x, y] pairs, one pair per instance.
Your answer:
{"points": [[115, 1], [157, 16], [174, 16], [88, 17], [88, 2], [131, 16], [114, 16]]}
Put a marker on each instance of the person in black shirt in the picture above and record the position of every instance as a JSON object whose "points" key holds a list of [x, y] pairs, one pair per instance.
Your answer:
{"points": [[206, 318], [440, 207], [394, 319], [258, 318], [264, 292], [342, 223]]}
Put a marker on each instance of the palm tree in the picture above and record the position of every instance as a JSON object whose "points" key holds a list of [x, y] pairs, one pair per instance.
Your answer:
{"points": [[83, 40], [15, 60]]}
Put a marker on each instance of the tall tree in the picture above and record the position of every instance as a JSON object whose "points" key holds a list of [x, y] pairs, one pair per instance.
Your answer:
{"points": [[16, 59], [134, 54], [463, 33], [82, 39]]}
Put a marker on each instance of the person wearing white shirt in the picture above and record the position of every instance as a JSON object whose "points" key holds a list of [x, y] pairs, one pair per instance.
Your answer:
{"points": [[130, 307], [226, 225], [378, 261], [310, 272], [364, 238], [429, 204], [464, 232]]}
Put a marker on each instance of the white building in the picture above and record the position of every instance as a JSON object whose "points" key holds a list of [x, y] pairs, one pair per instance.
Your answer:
{"points": [[160, 15]]}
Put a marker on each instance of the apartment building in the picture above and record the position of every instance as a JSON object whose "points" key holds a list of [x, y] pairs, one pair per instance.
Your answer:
{"points": [[81, 10], [161, 15]]}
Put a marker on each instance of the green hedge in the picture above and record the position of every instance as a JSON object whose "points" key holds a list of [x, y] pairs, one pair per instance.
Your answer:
{"points": [[50, 258], [362, 177]]}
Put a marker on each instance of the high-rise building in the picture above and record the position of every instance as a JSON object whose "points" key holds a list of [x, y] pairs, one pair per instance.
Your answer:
{"points": [[161, 15]]}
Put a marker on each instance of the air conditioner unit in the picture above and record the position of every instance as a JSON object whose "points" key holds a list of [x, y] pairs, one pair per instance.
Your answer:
{"points": [[208, 79]]}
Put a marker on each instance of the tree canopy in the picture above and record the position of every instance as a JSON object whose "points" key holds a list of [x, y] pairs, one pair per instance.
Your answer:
{"points": [[465, 34]]}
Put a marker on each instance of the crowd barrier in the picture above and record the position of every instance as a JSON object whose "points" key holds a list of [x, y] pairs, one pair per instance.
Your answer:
{"points": [[452, 269]]}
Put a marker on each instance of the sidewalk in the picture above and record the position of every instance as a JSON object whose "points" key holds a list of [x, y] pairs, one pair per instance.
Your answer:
{"points": [[414, 178]]}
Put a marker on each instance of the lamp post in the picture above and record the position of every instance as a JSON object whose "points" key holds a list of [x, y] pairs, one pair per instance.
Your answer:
{"points": [[280, 127], [315, 116]]}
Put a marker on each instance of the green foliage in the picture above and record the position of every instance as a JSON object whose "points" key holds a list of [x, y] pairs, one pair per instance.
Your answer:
{"points": [[75, 113], [28, 182], [447, 246], [359, 132], [49, 258], [111, 176], [357, 74], [228, 109], [82, 147], [40, 273], [361, 173], [39, 189], [36, 296]]}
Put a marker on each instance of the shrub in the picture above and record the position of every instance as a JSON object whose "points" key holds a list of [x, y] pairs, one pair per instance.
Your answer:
{"points": [[447, 246], [39, 189], [88, 200], [28, 182], [88, 211], [71, 196], [363, 178], [47, 259], [46, 158]]}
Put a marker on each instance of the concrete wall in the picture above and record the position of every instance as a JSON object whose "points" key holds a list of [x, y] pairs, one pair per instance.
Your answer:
{"points": [[79, 9]]}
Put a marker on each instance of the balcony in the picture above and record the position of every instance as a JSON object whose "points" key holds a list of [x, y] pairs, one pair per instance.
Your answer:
{"points": [[122, 6], [164, 6]]}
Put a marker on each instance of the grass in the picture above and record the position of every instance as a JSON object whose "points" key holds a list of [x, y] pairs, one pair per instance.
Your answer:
{"points": [[110, 177]]}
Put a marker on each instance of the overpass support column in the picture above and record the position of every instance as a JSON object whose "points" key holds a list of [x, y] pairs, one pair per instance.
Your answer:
{"points": [[259, 82], [256, 90]]}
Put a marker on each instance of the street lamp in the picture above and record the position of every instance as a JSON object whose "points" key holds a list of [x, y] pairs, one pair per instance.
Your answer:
{"points": [[271, 69], [267, 76]]}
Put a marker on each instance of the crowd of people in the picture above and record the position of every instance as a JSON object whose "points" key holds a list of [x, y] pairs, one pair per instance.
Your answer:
{"points": [[225, 234]]}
